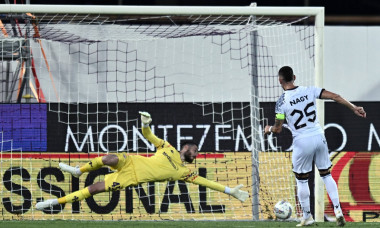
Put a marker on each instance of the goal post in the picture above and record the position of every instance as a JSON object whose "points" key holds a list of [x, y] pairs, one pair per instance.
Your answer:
{"points": [[318, 183], [95, 66], [166, 10]]}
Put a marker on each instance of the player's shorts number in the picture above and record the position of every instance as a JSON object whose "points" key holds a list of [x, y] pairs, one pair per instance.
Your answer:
{"points": [[305, 113]]}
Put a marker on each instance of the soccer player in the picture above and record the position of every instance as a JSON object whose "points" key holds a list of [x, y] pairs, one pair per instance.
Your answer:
{"points": [[297, 106], [167, 164]]}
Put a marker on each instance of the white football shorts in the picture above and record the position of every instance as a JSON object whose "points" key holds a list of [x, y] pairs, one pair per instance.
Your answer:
{"points": [[309, 149]]}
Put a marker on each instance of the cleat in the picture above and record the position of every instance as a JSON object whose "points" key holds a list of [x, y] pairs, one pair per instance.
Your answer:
{"points": [[70, 169], [307, 222], [340, 221], [45, 204]]}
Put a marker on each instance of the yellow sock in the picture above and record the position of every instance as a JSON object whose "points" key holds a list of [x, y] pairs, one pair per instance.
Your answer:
{"points": [[75, 196], [94, 164]]}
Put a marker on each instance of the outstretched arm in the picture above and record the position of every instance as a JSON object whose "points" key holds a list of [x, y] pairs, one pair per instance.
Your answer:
{"points": [[359, 111], [235, 192], [148, 134]]}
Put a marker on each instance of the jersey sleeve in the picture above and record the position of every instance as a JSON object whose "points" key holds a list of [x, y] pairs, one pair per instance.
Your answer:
{"points": [[280, 112], [148, 134], [194, 178], [317, 92]]}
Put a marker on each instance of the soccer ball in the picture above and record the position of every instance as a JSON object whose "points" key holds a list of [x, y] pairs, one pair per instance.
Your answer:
{"points": [[283, 209]]}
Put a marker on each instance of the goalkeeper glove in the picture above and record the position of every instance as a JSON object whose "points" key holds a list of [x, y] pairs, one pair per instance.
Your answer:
{"points": [[145, 118], [239, 194]]}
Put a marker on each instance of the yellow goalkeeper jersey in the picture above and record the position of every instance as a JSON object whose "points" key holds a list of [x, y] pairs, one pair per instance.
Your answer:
{"points": [[166, 165]]}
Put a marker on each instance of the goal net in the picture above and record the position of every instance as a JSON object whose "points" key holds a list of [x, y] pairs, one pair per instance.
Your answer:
{"points": [[72, 83]]}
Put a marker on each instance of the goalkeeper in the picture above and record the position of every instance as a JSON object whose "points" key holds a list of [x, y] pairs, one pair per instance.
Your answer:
{"points": [[166, 165]]}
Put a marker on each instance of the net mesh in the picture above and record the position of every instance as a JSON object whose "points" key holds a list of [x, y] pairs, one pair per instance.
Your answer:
{"points": [[83, 79]]}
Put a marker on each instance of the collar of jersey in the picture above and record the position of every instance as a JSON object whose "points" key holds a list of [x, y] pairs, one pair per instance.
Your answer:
{"points": [[292, 88]]}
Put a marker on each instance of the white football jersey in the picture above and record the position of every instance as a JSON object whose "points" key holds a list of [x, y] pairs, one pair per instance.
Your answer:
{"points": [[299, 107]]}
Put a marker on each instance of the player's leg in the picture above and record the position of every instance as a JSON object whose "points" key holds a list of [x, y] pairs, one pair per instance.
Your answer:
{"points": [[74, 197], [84, 193], [96, 163], [323, 164], [303, 194], [112, 181], [332, 191], [302, 159]]}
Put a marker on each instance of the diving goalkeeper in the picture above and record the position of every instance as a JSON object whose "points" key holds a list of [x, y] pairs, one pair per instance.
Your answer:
{"points": [[167, 164]]}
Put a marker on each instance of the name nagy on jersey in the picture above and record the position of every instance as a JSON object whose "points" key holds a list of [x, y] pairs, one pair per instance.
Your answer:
{"points": [[300, 99]]}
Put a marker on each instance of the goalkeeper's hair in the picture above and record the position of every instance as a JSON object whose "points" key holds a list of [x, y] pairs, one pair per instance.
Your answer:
{"points": [[189, 143], [287, 73]]}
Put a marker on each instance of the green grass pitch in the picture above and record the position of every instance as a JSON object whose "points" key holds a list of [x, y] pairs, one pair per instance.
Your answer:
{"points": [[164, 224]]}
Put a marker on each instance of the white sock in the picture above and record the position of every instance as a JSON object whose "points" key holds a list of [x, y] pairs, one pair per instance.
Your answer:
{"points": [[54, 202], [332, 190], [303, 193], [77, 171]]}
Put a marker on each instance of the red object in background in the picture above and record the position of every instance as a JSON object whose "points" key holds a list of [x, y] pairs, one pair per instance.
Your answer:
{"points": [[358, 183]]}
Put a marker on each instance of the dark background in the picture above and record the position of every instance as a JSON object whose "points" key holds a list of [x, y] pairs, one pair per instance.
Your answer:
{"points": [[126, 116], [101, 115], [338, 12]]}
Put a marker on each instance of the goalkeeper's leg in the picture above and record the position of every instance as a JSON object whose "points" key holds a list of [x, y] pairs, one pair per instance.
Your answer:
{"points": [[73, 197], [96, 163], [114, 184]]}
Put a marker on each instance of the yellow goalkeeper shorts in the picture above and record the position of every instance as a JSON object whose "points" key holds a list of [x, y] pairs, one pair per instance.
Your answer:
{"points": [[124, 176]]}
